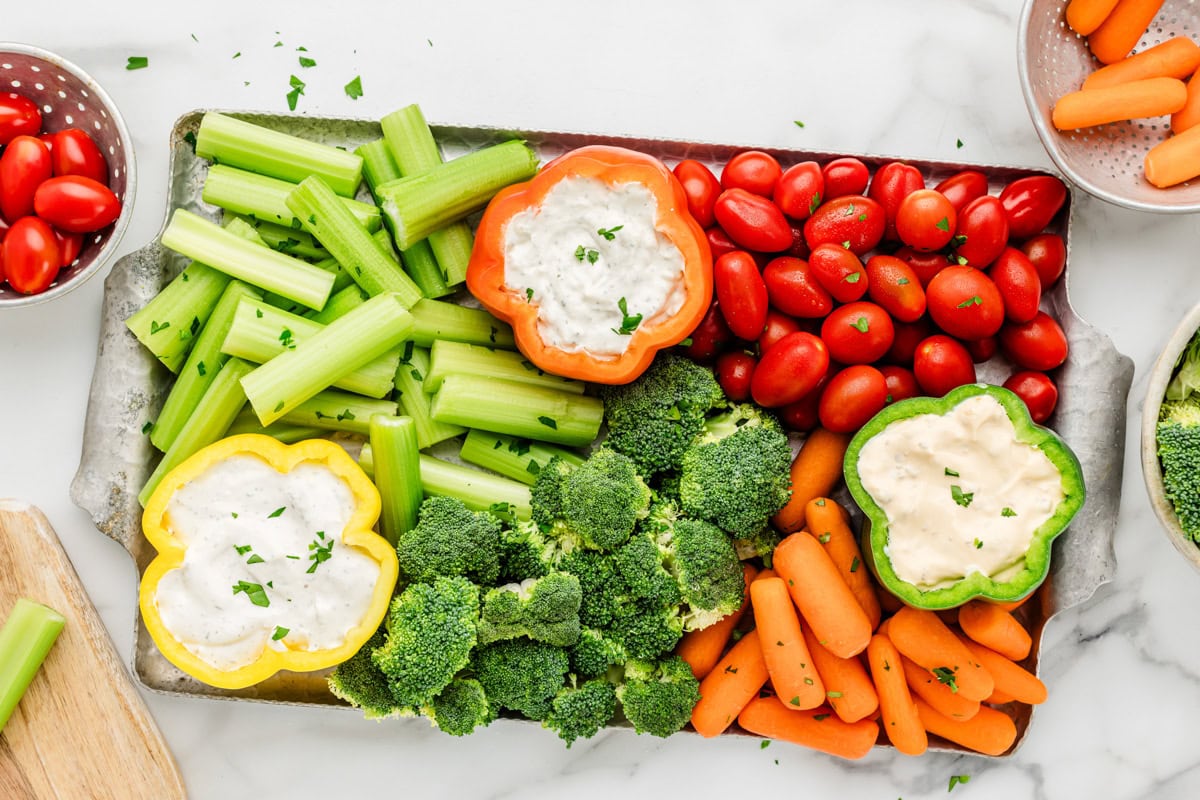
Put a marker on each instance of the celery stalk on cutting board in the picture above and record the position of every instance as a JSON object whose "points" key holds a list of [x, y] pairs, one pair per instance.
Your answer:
{"points": [[25, 639]]}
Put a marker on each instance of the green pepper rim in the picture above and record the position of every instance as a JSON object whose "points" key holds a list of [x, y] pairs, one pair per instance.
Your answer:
{"points": [[1037, 557]]}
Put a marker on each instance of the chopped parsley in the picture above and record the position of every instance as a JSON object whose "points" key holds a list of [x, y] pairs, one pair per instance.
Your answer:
{"points": [[137, 62], [297, 90], [962, 498], [955, 780], [798, 123], [255, 559], [834, 695], [354, 88], [953, 473], [958, 143], [147, 428], [853, 277], [814, 202], [279, 633], [820, 717], [824, 538], [155, 327], [945, 675], [1007, 512], [943, 224], [285, 339], [629, 322], [854, 564], [549, 422], [795, 700], [978, 543], [320, 550], [276, 512], [610, 233], [529, 295], [764, 744], [200, 368], [307, 62], [242, 549], [974, 300], [255, 591], [588, 253]]}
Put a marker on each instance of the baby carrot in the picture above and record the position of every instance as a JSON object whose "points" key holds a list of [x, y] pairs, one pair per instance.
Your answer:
{"points": [[1012, 605], [815, 471], [1174, 58], [900, 720], [924, 638], [1174, 160], [1084, 16], [1120, 32], [733, 683], [990, 732], [995, 628], [788, 661], [1189, 115], [702, 649], [998, 698], [1010, 679], [939, 695], [826, 520], [816, 728], [822, 596], [847, 684], [764, 574], [1151, 97]]}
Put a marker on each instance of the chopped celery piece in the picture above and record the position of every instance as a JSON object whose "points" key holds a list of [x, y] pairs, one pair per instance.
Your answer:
{"points": [[169, 322], [342, 346], [414, 402], [332, 410], [243, 144], [211, 418], [291, 241], [209, 243], [339, 303], [25, 640], [519, 459], [396, 460], [264, 198], [452, 247], [446, 358], [378, 165], [421, 204], [341, 279], [201, 367], [285, 432], [437, 319], [370, 265], [242, 227], [422, 267], [534, 412], [259, 332], [479, 491]]}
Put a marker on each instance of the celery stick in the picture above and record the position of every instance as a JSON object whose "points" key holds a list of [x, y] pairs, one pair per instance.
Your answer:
{"points": [[452, 247], [209, 421], [369, 264], [263, 198], [339, 303], [437, 319], [378, 165], [25, 640], [285, 432], [397, 473], [332, 410], [480, 491], [199, 239], [446, 357], [519, 459], [414, 402], [347, 343], [421, 204], [547, 415], [243, 144], [292, 241], [167, 324], [201, 367]]}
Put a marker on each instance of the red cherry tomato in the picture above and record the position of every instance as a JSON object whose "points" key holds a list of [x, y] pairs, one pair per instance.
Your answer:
{"points": [[1037, 390], [891, 184], [838, 271], [719, 242], [753, 221], [24, 166], [804, 414], [69, 245], [901, 383], [858, 333], [701, 188], [1, 263], [741, 294], [3, 228], [941, 364], [19, 116], [799, 190], [1048, 254], [853, 221], [852, 397], [778, 326], [753, 170], [710, 337], [31, 255], [982, 232], [982, 349], [893, 284], [789, 370], [1030, 203], [963, 187], [925, 265], [908, 336], [734, 371], [1019, 285], [72, 152], [926, 220], [845, 176], [965, 303], [76, 204], [794, 290], [1039, 344], [799, 248]]}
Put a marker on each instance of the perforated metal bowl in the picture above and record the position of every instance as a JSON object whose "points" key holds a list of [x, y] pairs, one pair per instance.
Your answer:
{"points": [[69, 98], [1105, 161]]}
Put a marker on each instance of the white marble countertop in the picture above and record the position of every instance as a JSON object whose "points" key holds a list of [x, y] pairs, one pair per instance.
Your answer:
{"points": [[909, 79]]}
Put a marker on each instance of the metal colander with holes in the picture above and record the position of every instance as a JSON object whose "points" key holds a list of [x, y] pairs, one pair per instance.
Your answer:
{"points": [[69, 98], [1105, 161]]}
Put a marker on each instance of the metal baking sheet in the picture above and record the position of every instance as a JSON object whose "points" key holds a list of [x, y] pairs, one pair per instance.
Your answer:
{"points": [[129, 385]]}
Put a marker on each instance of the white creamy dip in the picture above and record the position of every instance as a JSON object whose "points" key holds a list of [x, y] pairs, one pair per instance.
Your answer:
{"points": [[578, 275], [229, 517], [942, 526]]}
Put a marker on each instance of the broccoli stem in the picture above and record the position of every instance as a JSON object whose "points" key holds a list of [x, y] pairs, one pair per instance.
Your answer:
{"points": [[414, 402], [265, 198], [25, 640], [436, 319], [447, 358], [397, 473], [520, 459], [534, 412], [168, 323]]}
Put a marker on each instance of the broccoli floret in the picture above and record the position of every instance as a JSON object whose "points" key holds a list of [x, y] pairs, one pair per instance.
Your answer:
{"points": [[603, 499], [736, 474], [521, 675], [451, 540], [579, 713], [525, 552], [361, 684], [1178, 436], [460, 708], [546, 494], [655, 418], [545, 609], [594, 653], [600, 583], [646, 630], [760, 545], [704, 562], [640, 562], [658, 697], [430, 634]]}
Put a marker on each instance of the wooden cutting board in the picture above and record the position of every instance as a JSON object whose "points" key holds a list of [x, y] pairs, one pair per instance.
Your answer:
{"points": [[81, 730]]}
